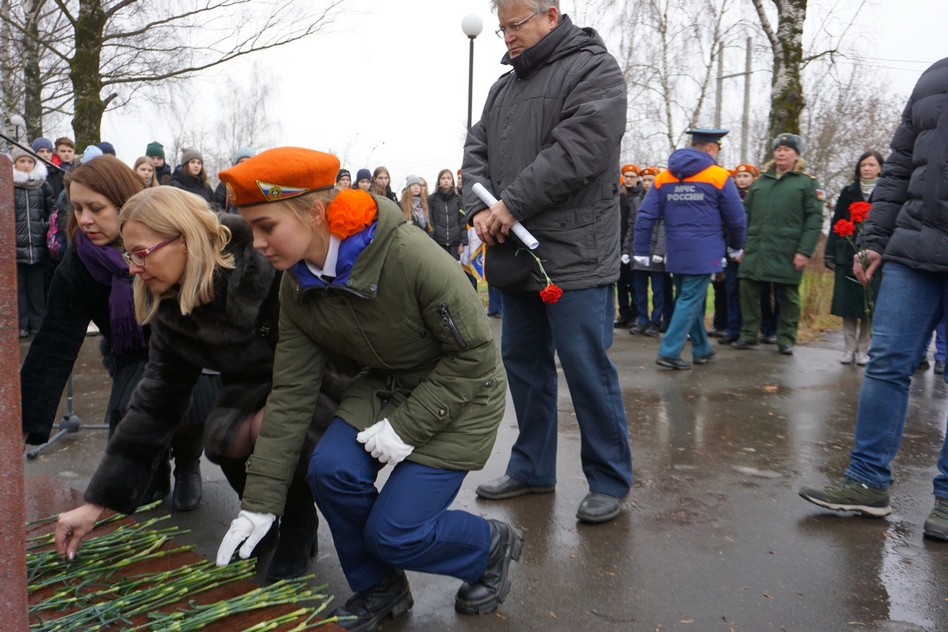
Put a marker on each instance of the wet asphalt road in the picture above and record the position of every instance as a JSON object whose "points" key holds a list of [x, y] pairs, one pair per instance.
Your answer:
{"points": [[713, 535]]}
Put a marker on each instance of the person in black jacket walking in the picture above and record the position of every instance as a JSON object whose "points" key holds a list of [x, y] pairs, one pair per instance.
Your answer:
{"points": [[631, 196], [448, 224], [34, 204], [907, 229]]}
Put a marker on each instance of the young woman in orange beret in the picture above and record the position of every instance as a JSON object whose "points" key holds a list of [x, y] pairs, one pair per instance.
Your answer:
{"points": [[361, 281]]}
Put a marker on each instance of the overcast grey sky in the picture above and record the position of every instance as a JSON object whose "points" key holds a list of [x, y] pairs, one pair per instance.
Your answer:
{"points": [[389, 85]]}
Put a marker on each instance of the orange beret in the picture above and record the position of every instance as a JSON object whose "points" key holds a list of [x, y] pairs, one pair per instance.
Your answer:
{"points": [[627, 168], [650, 171], [279, 174], [751, 169]]}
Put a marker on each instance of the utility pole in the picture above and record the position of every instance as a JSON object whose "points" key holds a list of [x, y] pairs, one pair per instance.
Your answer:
{"points": [[720, 87], [719, 97]]}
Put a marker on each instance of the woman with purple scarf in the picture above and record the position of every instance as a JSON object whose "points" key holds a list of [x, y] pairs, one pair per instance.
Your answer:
{"points": [[92, 283]]}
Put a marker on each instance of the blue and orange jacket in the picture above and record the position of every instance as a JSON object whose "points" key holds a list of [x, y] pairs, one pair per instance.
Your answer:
{"points": [[699, 204]]}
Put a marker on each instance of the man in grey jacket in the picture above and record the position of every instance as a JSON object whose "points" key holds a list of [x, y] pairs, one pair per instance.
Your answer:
{"points": [[547, 146]]}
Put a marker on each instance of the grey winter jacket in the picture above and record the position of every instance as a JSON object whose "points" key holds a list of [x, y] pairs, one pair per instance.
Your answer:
{"points": [[34, 204], [909, 217], [548, 144]]}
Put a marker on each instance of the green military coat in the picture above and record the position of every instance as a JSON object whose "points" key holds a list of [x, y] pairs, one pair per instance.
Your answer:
{"points": [[784, 217], [409, 315]]}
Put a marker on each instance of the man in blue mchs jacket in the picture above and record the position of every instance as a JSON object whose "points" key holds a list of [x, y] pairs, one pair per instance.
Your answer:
{"points": [[699, 204]]}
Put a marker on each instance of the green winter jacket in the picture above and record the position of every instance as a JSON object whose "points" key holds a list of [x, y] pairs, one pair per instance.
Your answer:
{"points": [[407, 313], [784, 217]]}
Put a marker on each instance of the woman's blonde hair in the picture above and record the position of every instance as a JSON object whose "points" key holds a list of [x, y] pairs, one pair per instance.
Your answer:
{"points": [[154, 174], [302, 205], [169, 212]]}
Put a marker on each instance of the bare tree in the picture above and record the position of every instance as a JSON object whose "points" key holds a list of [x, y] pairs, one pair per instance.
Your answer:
{"points": [[113, 47]]}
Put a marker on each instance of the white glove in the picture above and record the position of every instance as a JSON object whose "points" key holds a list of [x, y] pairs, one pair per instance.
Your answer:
{"points": [[248, 527], [642, 261], [625, 259], [383, 443], [735, 254], [657, 259]]}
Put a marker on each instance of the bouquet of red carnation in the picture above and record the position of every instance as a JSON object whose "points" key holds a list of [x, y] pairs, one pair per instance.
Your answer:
{"points": [[854, 229]]}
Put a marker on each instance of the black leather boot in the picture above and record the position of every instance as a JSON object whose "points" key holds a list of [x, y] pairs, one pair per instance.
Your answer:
{"points": [[187, 445], [297, 541], [160, 485], [487, 593], [391, 597]]}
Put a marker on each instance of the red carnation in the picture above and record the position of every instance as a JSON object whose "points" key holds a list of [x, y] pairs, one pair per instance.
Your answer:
{"points": [[859, 211], [844, 228], [551, 293]]}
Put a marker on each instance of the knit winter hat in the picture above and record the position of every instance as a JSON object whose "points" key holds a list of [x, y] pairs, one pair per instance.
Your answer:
{"points": [[343, 173], [42, 143], [243, 152], [18, 153], [89, 153], [363, 174], [190, 154], [279, 174], [107, 148], [412, 179], [155, 149], [792, 141]]}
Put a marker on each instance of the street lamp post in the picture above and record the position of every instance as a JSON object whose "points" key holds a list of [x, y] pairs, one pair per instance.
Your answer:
{"points": [[17, 121], [472, 25]]}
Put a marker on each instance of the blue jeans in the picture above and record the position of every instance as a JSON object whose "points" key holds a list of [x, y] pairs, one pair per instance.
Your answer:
{"points": [[578, 328], [688, 318], [640, 281], [407, 525], [495, 301], [910, 304]]}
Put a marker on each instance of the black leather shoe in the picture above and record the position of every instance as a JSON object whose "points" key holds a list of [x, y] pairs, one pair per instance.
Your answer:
{"points": [[939, 367], [619, 324], [391, 597], [488, 592], [706, 358], [717, 333], [187, 486], [768, 340], [598, 507], [743, 345], [672, 363], [726, 340], [652, 331], [297, 541], [637, 329], [507, 487], [785, 349]]}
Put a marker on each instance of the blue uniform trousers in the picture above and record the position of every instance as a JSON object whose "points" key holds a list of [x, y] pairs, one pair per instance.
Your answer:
{"points": [[406, 525]]}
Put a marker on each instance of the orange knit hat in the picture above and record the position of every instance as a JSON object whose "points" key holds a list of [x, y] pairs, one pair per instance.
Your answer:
{"points": [[279, 174]]}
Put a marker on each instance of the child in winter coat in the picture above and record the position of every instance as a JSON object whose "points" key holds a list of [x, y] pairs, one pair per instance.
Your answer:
{"points": [[34, 204]]}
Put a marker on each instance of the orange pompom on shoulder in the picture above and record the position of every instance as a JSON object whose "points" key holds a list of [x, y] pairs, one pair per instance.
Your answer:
{"points": [[350, 212]]}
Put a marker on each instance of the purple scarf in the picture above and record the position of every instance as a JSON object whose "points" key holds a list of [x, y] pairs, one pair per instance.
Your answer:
{"points": [[106, 266]]}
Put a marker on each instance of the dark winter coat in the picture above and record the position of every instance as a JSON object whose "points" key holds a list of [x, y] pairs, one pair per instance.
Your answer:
{"points": [[397, 307], [849, 296], [74, 299], [448, 222], [909, 217], [192, 184], [548, 145], [235, 334], [163, 174], [693, 197], [34, 203], [657, 246], [784, 217]]}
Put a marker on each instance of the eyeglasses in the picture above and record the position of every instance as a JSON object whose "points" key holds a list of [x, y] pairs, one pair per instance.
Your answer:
{"points": [[138, 257], [515, 27]]}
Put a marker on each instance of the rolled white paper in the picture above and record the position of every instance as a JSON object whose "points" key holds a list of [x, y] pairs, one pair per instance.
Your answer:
{"points": [[518, 229]]}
